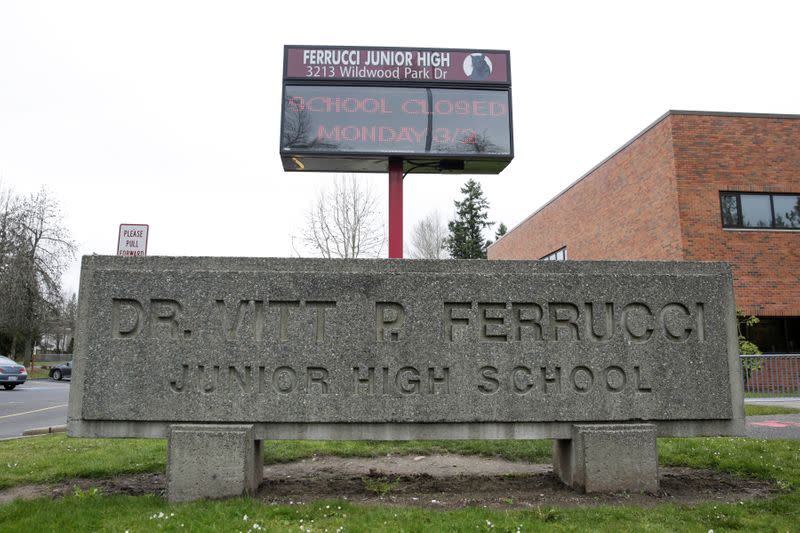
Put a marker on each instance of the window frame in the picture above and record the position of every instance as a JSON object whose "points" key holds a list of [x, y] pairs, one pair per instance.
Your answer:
{"points": [[553, 256], [740, 216]]}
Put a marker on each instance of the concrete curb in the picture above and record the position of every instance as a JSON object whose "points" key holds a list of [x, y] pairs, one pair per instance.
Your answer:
{"points": [[44, 431], [793, 403]]}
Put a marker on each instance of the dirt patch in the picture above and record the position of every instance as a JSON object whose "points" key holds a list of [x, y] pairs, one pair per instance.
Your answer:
{"points": [[134, 485], [449, 481], [439, 481]]}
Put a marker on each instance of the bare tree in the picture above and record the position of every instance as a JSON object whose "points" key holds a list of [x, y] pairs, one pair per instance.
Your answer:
{"points": [[427, 238], [34, 252], [12, 277], [60, 327], [8, 219], [297, 129], [345, 221], [70, 317]]}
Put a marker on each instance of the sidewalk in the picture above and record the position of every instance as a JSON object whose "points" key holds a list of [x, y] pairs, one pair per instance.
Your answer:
{"points": [[793, 403]]}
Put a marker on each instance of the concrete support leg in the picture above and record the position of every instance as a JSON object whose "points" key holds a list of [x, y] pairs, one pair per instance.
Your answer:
{"points": [[608, 458], [212, 461]]}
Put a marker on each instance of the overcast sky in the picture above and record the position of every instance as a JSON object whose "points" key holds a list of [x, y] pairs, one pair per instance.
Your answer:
{"points": [[167, 113]]}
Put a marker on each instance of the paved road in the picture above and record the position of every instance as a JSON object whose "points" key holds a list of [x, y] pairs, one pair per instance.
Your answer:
{"points": [[35, 404], [774, 427]]}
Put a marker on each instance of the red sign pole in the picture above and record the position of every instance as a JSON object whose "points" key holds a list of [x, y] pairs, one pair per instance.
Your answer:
{"points": [[395, 208]]}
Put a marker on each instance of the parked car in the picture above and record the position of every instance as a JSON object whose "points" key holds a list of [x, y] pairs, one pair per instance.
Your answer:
{"points": [[11, 373], [59, 372]]}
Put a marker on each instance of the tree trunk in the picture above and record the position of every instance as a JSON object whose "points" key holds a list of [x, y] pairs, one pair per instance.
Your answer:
{"points": [[26, 357]]}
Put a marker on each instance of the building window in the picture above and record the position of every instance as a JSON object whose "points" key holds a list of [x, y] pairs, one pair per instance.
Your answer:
{"points": [[760, 210], [558, 255], [775, 334]]}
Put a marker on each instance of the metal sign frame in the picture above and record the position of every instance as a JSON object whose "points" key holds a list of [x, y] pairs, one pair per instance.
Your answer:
{"points": [[364, 161]]}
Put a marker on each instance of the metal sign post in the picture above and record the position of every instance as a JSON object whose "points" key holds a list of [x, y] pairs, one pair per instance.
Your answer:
{"points": [[395, 209]]}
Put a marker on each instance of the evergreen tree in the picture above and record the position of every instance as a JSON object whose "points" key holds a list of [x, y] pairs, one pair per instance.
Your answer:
{"points": [[501, 230], [466, 231]]}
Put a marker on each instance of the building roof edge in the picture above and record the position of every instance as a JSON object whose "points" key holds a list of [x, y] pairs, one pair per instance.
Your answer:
{"points": [[635, 138], [732, 114]]}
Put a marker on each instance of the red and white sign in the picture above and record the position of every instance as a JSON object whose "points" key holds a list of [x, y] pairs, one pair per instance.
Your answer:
{"points": [[388, 65], [132, 240]]}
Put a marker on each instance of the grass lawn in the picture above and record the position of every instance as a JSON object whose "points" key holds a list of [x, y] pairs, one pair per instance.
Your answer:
{"points": [[39, 372], [57, 457], [757, 410], [42, 370]]}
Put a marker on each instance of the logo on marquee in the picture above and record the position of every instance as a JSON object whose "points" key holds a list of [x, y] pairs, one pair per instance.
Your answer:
{"points": [[477, 66]]}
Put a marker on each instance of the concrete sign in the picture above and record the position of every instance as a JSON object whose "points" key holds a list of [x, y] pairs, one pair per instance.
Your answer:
{"points": [[381, 349], [132, 240]]}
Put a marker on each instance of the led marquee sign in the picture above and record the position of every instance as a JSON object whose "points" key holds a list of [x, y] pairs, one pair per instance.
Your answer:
{"points": [[351, 109]]}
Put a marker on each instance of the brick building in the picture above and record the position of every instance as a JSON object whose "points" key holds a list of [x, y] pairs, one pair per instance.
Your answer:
{"points": [[692, 186]]}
